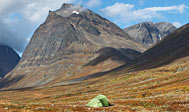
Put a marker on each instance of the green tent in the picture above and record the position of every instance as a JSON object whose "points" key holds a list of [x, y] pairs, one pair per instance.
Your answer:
{"points": [[99, 101]]}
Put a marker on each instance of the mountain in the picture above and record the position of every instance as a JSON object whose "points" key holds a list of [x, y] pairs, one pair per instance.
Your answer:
{"points": [[8, 59], [149, 33], [161, 89], [172, 47], [72, 42]]}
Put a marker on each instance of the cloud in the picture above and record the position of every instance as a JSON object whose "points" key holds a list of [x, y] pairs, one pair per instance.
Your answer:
{"points": [[177, 24], [179, 8], [125, 13], [19, 18], [37, 10], [118, 9], [94, 3]]}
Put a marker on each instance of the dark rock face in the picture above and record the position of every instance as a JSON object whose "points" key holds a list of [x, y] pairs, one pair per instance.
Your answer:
{"points": [[149, 33], [8, 59], [68, 40]]}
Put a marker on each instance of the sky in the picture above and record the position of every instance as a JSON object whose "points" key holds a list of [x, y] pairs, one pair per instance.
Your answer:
{"points": [[20, 18]]}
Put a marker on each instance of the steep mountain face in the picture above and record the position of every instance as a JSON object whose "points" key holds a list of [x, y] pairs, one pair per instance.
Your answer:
{"points": [[172, 47], [8, 59], [149, 33], [67, 43]]}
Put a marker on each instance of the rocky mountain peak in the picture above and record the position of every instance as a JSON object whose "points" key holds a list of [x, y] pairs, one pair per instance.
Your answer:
{"points": [[70, 39], [66, 6], [149, 33], [68, 9], [72, 29]]}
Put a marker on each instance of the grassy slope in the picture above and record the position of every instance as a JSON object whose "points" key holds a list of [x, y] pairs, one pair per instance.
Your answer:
{"points": [[160, 89]]}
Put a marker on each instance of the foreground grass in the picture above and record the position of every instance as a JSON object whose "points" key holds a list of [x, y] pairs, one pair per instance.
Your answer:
{"points": [[160, 89]]}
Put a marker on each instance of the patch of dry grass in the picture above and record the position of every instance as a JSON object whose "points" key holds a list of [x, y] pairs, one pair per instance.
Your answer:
{"points": [[160, 89]]}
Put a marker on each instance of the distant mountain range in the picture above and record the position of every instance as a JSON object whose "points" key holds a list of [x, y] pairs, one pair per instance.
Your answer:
{"points": [[149, 33], [8, 59]]}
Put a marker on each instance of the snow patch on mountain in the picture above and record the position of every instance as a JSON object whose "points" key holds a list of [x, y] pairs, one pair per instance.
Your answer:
{"points": [[75, 12]]}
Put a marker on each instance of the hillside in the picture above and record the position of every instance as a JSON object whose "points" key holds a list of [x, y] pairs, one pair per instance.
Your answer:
{"points": [[158, 89], [172, 47]]}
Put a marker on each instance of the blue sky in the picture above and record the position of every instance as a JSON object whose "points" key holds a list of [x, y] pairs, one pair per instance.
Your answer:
{"points": [[171, 15], [20, 18]]}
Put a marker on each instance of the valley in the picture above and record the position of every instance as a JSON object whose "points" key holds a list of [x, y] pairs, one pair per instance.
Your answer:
{"points": [[159, 89], [77, 54]]}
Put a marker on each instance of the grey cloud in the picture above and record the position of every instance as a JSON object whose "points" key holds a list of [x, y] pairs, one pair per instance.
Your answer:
{"points": [[13, 36], [94, 3], [16, 31]]}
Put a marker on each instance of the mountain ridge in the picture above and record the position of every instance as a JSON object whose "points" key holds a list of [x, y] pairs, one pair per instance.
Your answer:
{"points": [[149, 33]]}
